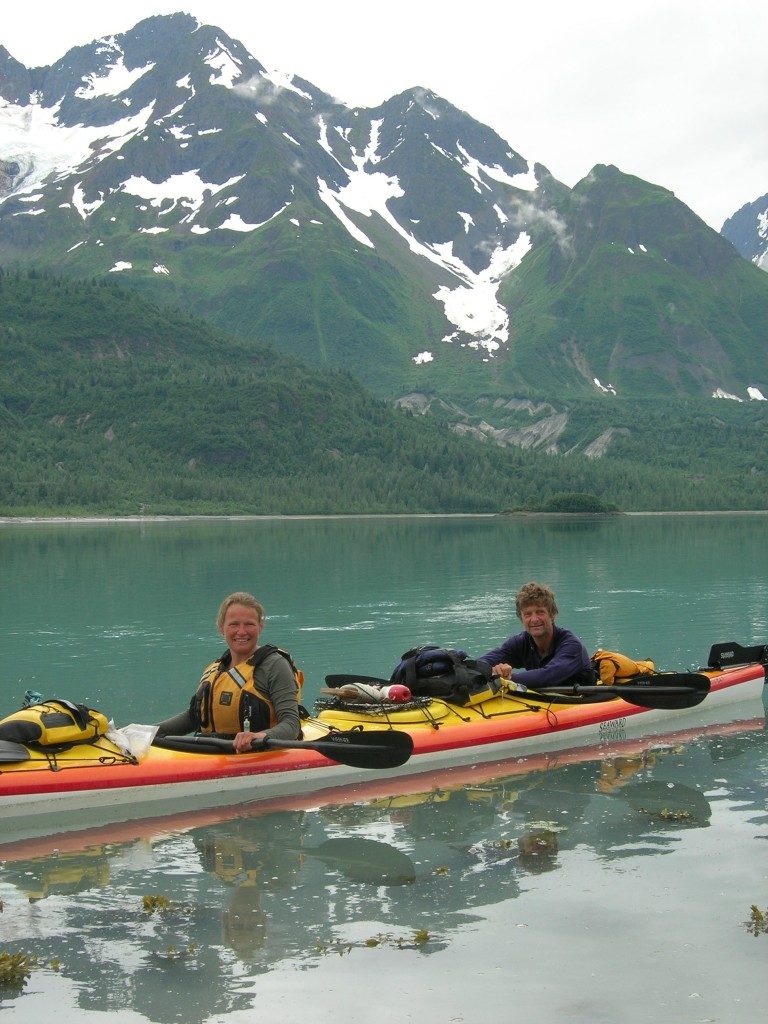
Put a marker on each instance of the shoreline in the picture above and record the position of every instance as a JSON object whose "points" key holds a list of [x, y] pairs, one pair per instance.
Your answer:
{"points": [[307, 517]]}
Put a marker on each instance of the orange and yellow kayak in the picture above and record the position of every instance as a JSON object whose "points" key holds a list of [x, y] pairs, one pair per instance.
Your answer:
{"points": [[51, 789]]}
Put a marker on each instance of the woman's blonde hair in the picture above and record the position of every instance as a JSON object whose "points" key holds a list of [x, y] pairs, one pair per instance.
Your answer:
{"points": [[240, 597], [535, 593]]}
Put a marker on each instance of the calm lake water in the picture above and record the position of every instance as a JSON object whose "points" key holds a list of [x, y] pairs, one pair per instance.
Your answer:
{"points": [[612, 884]]}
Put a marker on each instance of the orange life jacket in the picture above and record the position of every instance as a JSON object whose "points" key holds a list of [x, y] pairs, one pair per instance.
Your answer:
{"points": [[228, 699]]}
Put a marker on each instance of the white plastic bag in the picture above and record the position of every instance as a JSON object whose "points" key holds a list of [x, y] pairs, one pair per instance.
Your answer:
{"points": [[133, 739]]}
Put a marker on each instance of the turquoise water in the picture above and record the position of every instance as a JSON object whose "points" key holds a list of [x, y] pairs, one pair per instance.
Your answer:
{"points": [[612, 885]]}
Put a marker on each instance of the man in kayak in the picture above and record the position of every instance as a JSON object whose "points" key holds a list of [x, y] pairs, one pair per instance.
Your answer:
{"points": [[251, 692], [543, 654]]}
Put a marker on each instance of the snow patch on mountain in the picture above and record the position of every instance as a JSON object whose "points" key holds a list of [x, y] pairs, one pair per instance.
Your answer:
{"points": [[179, 131], [85, 209], [187, 190], [472, 306], [366, 193], [114, 80], [761, 259], [324, 143], [33, 137], [331, 200], [281, 80], [226, 68], [526, 180]]}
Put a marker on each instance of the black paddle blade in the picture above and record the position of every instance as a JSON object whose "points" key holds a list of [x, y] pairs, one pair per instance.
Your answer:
{"points": [[725, 655], [375, 749], [11, 752], [667, 690], [672, 690], [669, 698]]}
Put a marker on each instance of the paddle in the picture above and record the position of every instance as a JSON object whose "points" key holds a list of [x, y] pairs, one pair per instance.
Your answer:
{"points": [[10, 752], [668, 690], [375, 749], [723, 655]]}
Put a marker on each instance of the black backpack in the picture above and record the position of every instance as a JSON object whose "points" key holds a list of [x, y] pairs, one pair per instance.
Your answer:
{"points": [[431, 671]]}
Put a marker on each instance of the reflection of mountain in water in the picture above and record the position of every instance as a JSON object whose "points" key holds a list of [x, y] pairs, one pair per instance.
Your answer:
{"points": [[290, 887]]}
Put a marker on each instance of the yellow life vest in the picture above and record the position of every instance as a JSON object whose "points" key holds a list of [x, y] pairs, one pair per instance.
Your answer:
{"points": [[54, 723], [618, 668], [228, 699]]}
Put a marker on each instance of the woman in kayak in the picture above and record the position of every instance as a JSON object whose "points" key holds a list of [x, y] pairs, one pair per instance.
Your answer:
{"points": [[543, 654], [251, 692]]}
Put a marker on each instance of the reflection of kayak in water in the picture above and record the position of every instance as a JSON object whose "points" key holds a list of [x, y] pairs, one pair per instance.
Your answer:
{"points": [[46, 789]]}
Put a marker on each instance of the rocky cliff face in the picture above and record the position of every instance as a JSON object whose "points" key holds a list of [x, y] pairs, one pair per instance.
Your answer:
{"points": [[747, 230]]}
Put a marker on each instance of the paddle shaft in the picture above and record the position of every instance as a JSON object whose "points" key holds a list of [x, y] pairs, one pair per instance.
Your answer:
{"points": [[619, 691]]}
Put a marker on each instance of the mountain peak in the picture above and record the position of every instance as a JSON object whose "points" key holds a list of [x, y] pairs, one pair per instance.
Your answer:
{"points": [[408, 242]]}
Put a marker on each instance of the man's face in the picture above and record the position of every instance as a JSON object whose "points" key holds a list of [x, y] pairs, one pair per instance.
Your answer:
{"points": [[537, 621]]}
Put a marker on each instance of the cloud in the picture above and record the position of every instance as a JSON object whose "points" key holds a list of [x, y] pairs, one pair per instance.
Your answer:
{"points": [[528, 215], [258, 90], [425, 100]]}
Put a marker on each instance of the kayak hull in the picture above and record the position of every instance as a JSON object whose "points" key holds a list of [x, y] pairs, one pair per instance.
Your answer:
{"points": [[88, 784]]}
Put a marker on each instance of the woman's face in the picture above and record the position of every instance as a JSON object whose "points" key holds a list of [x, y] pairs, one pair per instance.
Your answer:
{"points": [[241, 630]]}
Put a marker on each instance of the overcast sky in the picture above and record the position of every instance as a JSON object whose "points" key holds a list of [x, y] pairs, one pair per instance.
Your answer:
{"points": [[674, 91]]}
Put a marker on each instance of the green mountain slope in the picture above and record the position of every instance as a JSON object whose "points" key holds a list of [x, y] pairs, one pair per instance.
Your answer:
{"points": [[639, 294], [112, 405]]}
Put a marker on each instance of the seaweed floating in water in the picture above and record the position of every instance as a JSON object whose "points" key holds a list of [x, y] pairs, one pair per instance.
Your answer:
{"points": [[15, 969], [758, 921], [153, 903]]}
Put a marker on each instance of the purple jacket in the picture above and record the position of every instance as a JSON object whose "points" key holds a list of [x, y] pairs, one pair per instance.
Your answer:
{"points": [[568, 662]]}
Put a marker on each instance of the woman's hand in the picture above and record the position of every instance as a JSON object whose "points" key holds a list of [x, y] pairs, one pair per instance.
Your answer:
{"points": [[502, 670], [244, 741]]}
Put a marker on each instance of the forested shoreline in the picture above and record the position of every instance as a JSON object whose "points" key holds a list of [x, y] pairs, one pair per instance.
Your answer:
{"points": [[111, 406]]}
